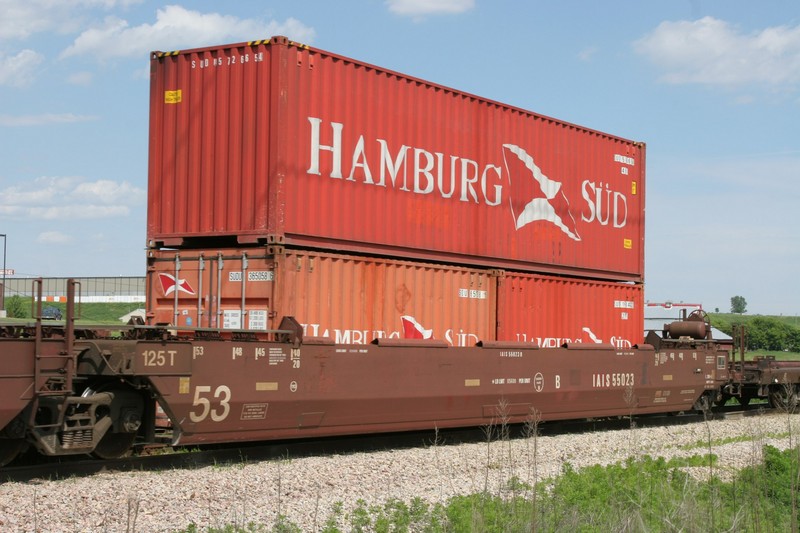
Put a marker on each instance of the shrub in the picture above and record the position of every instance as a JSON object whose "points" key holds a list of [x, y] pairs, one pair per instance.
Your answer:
{"points": [[15, 307]]}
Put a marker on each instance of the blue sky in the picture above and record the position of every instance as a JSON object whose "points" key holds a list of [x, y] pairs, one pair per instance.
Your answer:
{"points": [[712, 87]]}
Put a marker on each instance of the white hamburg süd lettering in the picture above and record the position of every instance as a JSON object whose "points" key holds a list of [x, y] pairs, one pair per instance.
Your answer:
{"points": [[602, 202], [475, 184], [461, 338], [429, 172]]}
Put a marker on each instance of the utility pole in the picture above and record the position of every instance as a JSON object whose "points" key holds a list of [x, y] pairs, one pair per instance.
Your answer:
{"points": [[3, 293]]}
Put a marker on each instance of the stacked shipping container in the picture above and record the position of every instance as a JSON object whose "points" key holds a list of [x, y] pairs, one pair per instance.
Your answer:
{"points": [[405, 208], [356, 299]]}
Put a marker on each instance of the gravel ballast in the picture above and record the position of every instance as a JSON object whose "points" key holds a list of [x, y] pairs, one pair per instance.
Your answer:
{"points": [[306, 489]]}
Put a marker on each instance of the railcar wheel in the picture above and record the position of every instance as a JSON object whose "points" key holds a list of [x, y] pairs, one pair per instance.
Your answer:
{"points": [[9, 449], [722, 400], [784, 398], [126, 412], [114, 445], [744, 401], [703, 403]]}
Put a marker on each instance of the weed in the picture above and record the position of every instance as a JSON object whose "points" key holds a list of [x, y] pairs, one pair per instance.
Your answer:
{"points": [[645, 494]]}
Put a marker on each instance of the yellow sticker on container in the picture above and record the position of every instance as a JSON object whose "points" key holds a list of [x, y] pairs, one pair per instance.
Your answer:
{"points": [[183, 385], [172, 97], [627, 244], [633, 187], [472, 383], [266, 385]]}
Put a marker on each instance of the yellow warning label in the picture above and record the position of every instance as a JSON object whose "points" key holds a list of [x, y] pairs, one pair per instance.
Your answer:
{"points": [[633, 187], [183, 386], [266, 385], [627, 244], [472, 383], [172, 97]]}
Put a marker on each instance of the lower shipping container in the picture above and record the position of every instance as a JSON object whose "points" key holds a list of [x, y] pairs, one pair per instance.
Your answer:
{"points": [[347, 298], [550, 311], [354, 299]]}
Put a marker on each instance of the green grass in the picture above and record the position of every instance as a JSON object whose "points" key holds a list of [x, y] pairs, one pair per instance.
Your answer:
{"points": [[784, 356], [731, 440], [88, 313]]}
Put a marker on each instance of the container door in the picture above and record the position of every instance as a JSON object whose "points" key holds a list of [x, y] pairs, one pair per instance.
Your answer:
{"points": [[229, 289]]}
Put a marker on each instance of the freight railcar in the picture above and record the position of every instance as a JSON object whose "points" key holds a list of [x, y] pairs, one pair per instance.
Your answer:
{"points": [[67, 390], [494, 273]]}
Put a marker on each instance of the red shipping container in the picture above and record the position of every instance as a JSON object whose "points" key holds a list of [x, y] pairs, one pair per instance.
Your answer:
{"points": [[549, 311], [354, 300], [277, 142], [348, 299]]}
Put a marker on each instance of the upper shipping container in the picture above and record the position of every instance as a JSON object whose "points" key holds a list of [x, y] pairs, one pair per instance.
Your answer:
{"points": [[277, 142]]}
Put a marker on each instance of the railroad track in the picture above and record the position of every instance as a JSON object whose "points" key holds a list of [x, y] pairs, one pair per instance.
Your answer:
{"points": [[33, 468]]}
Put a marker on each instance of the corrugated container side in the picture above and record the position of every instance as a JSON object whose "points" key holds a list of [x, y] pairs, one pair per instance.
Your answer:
{"points": [[550, 311], [353, 299], [277, 142], [349, 299]]}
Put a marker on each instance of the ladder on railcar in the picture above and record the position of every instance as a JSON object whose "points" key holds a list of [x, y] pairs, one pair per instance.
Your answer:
{"points": [[53, 381]]}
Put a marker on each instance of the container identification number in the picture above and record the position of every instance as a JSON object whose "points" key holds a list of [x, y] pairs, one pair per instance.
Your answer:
{"points": [[227, 61], [253, 275], [472, 294]]}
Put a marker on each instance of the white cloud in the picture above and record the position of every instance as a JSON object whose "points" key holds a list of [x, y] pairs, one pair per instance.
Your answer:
{"points": [[711, 51], [429, 7], [43, 119], [587, 53], [18, 70], [24, 18], [83, 78], [105, 192], [177, 27], [54, 237], [68, 198]]}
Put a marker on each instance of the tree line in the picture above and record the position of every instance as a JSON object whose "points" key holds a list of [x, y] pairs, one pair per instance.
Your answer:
{"points": [[764, 333]]}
